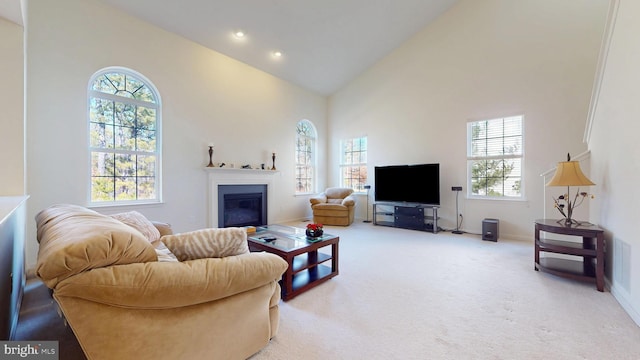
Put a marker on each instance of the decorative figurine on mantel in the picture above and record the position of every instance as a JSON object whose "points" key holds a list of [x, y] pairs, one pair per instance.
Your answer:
{"points": [[210, 155], [273, 159]]}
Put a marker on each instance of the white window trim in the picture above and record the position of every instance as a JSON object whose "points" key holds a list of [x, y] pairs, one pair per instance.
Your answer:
{"points": [[343, 165], [314, 157], [158, 153], [469, 193]]}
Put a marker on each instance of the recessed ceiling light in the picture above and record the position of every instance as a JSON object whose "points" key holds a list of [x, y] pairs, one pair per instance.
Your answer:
{"points": [[276, 54], [239, 34]]}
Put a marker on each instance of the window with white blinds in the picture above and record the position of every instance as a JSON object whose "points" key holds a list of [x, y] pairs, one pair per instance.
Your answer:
{"points": [[353, 163], [495, 156]]}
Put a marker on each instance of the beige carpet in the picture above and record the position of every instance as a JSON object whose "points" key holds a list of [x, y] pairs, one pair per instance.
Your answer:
{"points": [[405, 294]]}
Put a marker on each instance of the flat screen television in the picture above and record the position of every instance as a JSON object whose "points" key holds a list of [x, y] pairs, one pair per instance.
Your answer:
{"points": [[408, 183]]}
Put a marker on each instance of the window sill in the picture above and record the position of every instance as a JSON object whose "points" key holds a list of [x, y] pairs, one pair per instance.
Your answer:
{"points": [[306, 194], [505, 199], [124, 204]]}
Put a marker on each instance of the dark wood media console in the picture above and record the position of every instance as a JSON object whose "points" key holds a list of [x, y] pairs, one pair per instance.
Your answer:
{"points": [[414, 217]]}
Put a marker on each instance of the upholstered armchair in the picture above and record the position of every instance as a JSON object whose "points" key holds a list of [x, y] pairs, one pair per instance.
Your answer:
{"points": [[334, 206], [132, 290]]}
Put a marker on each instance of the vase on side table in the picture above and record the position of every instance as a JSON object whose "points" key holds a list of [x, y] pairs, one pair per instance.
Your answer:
{"points": [[314, 233]]}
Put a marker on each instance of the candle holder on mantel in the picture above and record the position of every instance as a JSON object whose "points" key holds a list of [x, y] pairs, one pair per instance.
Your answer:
{"points": [[210, 156], [273, 159]]}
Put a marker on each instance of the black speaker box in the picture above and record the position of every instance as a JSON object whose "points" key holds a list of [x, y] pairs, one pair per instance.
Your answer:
{"points": [[490, 229]]}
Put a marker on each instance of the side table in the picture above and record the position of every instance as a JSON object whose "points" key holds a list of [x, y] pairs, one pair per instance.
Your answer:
{"points": [[591, 249], [308, 267]]}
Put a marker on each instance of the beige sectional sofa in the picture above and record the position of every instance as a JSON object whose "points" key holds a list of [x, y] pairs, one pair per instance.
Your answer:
{"points": [[122, 303]]}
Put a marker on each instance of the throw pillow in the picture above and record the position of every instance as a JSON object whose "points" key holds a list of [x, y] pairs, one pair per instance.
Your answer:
{"points": [[207, 243], [140, 223]]}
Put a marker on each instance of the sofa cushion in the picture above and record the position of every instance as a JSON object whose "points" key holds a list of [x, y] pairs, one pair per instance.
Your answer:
{"points": [[163, 252], [74, 239], [139, 222], [150, 230], [155, 285], [207, 243], [318, 199], [338, 193], [330, 210], [330, 207]]}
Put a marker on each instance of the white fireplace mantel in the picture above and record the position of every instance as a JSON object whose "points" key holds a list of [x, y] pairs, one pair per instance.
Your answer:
{"points": [[229, 176]]}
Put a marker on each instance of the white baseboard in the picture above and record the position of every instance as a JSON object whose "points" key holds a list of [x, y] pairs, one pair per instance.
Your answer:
{"points": [[623, 299]]}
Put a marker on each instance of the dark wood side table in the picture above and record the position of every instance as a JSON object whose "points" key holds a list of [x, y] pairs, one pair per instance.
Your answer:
{"points": [[591, 249]]}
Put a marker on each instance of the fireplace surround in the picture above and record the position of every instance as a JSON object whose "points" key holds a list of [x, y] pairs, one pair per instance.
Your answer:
{"points": [[227, 176]]}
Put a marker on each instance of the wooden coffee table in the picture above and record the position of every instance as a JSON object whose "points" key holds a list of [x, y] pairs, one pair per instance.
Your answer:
{"points": [[308, 267]]}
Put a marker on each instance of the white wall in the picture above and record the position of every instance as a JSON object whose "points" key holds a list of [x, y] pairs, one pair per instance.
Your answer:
{"points": [[615, 152], [206, 96], [12, 109], [480, 60]]}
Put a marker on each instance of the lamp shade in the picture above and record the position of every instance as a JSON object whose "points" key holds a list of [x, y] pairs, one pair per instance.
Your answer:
{"points": [[568, 173]]}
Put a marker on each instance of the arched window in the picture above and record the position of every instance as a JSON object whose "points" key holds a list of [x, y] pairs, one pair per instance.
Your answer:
{"points": [[124, 138], [305, 157]]}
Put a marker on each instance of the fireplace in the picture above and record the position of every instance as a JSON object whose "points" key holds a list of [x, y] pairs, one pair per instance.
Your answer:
{"points": [[242, 205], [218, 177]]}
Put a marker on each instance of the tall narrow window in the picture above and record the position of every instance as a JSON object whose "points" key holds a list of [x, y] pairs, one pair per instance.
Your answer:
{"points": [[353, 163], [495, 157], [124, 136], [305, 157]]}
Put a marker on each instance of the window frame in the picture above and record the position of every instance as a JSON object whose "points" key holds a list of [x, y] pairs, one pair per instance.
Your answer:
{"points": [[312, 164], [520, 156], [157, 106], [361, 164]]}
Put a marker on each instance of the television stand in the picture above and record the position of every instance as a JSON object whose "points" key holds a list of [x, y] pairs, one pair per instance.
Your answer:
{"points": [[406, 216]]}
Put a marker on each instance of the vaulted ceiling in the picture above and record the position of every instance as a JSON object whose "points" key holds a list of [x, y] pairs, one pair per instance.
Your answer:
{"points": [[324, 43]]}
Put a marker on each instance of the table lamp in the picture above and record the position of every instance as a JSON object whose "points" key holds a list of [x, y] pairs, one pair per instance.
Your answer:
{"points": [[568, 173]]}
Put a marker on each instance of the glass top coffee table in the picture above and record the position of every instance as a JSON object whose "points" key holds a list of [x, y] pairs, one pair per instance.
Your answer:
{"points": [[308, 267]]}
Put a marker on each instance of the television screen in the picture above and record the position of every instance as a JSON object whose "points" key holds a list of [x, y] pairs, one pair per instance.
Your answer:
{"points": [[408, 183]]}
